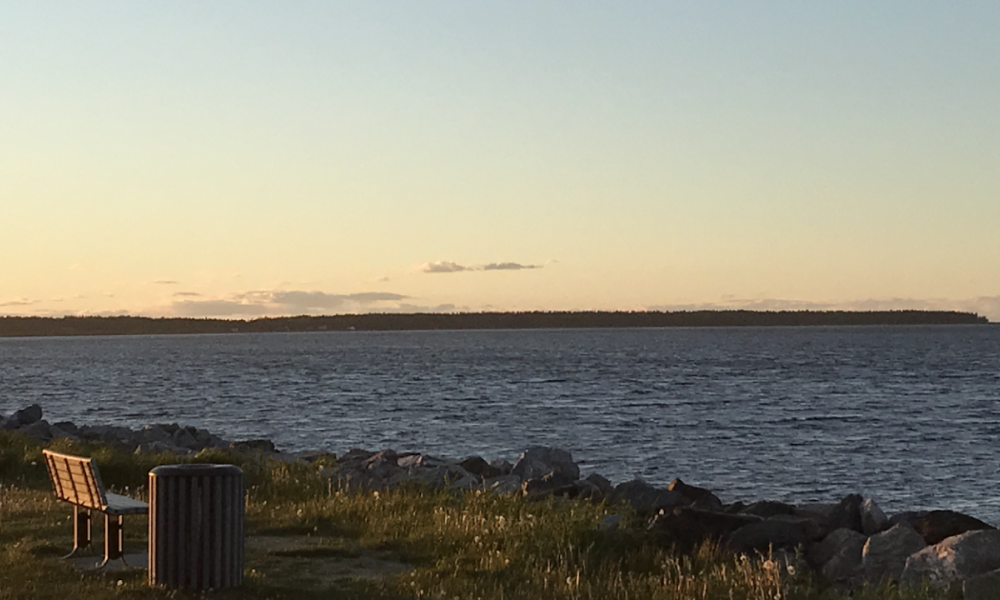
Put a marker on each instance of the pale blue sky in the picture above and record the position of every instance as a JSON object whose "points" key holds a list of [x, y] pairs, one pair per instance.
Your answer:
{"points": [[220, 158]]}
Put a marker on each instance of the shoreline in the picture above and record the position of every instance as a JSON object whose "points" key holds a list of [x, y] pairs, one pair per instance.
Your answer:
{"points": [[20, 326]]}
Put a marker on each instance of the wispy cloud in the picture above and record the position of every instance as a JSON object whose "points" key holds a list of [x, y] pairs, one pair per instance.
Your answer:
{"points": [[509, 266], [446, 266], [20, 302], [443, 266], [165, 282], [190, 294]]}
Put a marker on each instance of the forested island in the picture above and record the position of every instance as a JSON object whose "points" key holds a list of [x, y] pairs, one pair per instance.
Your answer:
{"points": [[13, 326]]}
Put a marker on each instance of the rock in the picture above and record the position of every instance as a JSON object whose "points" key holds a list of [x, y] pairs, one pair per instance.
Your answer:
{"points": [[587, 490], [955, 559], [478, 466], [253, 446], [686, 528], [982, 587], [844, 569], [822, 512], [873, 520], [27, 416], [68, 428], [157, 448], [766, 509], [502, 465], [645, 498], [697, 497], [58, 432], [311, 456], [601, 483], [539, 461], [820, 553], [610, 523], [847, 514], [937, 525], [38, 430], [413, 460], [780, 531], [884, 555], [549, 485], [503, 485], [7, 424], [183, 438]]}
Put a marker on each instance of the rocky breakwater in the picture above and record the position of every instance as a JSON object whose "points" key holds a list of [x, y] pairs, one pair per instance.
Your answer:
{"points": [[850, 542]]}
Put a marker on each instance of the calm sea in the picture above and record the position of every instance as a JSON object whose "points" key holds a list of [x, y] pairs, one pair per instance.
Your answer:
{"points": [[907, 415]]}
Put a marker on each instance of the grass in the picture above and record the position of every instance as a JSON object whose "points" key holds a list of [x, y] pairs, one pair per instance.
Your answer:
{"points": [[309, 540]]}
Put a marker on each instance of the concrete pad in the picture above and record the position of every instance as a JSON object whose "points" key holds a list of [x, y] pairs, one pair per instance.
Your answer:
{"points": [[138, 560]]}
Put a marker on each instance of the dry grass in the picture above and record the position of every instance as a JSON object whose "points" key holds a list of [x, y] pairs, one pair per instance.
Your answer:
{"points": [[311, 541]]}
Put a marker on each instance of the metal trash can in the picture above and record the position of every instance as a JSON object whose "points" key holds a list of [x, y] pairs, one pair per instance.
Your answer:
{"points": [[196, 526]]}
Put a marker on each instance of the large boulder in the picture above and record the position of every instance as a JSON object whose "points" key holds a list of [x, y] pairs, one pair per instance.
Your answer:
{"points": [[982, 587], [766, 509], [686, 528], [955, 559], [821, 552], [873, 520], [884, 555], [28, 415], [478, 466], [844, 568], [552, 484], [779, 531], [38, 430], [644, 498], [697, 497], [937, 525], [847, 514], [538, 461]]}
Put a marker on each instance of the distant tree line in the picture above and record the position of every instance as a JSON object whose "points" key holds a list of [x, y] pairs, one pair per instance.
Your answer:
{"points": [[127, 325]]}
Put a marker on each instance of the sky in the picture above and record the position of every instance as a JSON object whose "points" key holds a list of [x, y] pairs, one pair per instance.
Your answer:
{"points": [[245, 159]]}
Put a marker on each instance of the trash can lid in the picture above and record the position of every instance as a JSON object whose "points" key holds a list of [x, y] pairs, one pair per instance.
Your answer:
{"points": [[196, 470]]}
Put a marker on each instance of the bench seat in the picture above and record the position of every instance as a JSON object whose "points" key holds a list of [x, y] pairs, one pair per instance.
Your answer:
{"points": [[75, 479]]}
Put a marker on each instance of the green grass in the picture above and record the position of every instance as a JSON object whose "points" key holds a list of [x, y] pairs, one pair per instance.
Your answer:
{"points": [[309, 540]]}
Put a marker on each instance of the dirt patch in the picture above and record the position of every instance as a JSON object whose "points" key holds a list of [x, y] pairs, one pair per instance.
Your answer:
{"points": [[318, 563]]}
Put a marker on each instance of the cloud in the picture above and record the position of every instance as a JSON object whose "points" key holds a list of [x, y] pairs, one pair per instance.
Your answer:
{"points": [[283, 302], [186, 294], [21, 302], [509, 266], [442, 266], [446, 266], [165, 282]]}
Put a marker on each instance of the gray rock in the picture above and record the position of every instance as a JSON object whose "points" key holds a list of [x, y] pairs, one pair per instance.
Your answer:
{"points": [[822, 512], [697, 497], [503, 485], [955, 559], [7, 424], [937, 525], [502, 465], [38, 430], [550, 485], [884, 555], [873, 520], [982, 587], [610, 523], [844, 570], [645, 498], [587, 490], [477, 465], [766, 509], [28, 415], [780, 531], [686, 528], [183, 438], [311, 456], [820, 553], [847, 514], [602, 484], [539, 461]]}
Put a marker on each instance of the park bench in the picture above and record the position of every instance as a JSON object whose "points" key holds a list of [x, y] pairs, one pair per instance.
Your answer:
{"points": [[76, 480]]}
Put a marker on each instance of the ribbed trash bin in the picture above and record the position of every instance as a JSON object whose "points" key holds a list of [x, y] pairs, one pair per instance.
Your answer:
{"points": [[196, 516]]}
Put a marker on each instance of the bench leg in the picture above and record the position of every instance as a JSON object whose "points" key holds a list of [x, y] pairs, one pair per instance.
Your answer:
{"points": [[81, 529], [114, 538]]}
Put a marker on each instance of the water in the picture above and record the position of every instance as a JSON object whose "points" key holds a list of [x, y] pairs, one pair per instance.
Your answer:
{"points": [[907, 415]]}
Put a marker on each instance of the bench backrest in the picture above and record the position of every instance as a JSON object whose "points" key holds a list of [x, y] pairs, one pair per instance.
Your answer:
{"points": [[75, 479]]}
